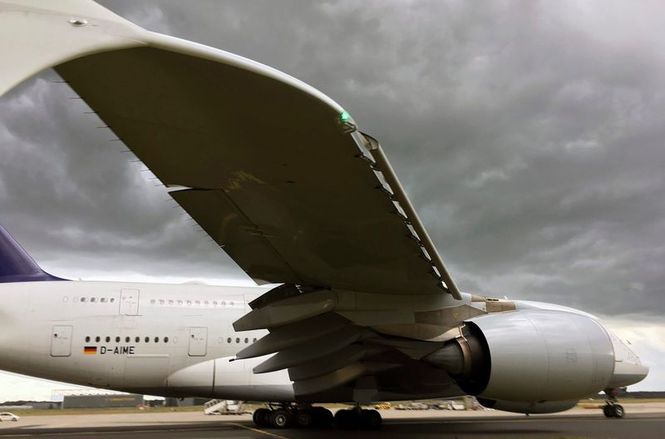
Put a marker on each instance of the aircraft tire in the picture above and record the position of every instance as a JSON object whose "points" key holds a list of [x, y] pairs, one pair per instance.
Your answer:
{"points": [[281, 418], [305, 418], [370, 419], [346, 419], [323, 417], [607, 411], [261, 417], [619, 412]]}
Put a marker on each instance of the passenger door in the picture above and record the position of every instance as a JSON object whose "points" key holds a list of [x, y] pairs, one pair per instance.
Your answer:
{"points": [[198, 342], [61, 341], [129, 302]]}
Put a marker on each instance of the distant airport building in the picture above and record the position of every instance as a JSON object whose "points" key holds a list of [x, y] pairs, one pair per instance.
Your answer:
{"points": [[101, 401], [27, 405]]}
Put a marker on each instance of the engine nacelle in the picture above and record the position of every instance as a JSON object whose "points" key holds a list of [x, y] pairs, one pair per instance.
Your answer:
{"points": [[527, 407], [529, 356]]}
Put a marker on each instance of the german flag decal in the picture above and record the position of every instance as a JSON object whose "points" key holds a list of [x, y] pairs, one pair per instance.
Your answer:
{"points": [[90, 350]]}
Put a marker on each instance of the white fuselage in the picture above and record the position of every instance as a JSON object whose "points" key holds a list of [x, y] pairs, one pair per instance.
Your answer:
{"points": [[122, 335], [171, 340]]}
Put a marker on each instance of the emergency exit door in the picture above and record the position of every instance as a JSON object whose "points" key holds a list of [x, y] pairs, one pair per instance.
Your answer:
{"points": [[198, 342], [129, 302], [61, 341]]}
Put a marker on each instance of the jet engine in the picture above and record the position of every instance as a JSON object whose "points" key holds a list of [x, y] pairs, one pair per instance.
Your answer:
{"points": [[529, 356], [528, 407]]}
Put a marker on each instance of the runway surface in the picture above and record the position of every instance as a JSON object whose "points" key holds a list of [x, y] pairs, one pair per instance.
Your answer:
{"points": [[646, 425]]}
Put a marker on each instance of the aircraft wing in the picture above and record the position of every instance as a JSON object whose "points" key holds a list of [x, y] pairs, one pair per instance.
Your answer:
{"points": [[277, 173]]}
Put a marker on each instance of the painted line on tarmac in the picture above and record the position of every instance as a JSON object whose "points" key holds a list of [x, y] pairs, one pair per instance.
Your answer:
{"points": [[256, 430]]}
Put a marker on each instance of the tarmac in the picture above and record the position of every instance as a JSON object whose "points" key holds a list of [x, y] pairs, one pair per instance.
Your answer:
{"points": [[641, 421]]}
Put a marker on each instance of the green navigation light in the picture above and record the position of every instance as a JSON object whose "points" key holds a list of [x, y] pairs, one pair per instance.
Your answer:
{"points": [[344, 117]]}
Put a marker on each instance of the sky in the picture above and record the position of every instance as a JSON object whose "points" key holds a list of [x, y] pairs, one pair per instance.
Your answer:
{"points": [[529, 137]]}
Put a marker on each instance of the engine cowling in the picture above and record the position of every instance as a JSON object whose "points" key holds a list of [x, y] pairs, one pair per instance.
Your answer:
{"points": [[529, 356], [528, 407]]}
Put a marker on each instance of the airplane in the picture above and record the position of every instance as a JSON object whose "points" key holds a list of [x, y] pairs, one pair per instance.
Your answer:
{"points": [[353, 302]]}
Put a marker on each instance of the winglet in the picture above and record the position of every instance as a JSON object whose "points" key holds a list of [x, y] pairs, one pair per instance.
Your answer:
{"points": [[16, 265]]}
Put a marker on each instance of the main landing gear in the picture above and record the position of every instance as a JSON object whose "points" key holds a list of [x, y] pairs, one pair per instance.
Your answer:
{"points": [[357, 418], [294, 416], [288, 416], [611, 409]]}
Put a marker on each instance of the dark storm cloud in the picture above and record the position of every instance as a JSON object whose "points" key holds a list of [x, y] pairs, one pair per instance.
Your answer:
{"points": [[528, 134]]}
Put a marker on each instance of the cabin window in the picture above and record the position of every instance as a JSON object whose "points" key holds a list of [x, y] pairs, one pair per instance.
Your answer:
{"points": [[127, 339], [112, 299], [87, 339], [108, 339], [117, 339], [147, 339], [137, 339], [166, 339]]}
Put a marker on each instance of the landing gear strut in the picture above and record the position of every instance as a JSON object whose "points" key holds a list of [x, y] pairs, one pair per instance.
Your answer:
{"points": [[612, 409]]}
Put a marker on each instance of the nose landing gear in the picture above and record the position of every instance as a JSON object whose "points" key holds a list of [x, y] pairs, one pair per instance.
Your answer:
{"points": [[612, 409]]}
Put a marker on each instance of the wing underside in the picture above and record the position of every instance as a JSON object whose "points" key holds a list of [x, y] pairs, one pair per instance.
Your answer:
{"points": [[273, 175]]}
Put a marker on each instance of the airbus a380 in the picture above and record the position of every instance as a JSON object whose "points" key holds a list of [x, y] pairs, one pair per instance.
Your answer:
{"points": [[284, 180]]}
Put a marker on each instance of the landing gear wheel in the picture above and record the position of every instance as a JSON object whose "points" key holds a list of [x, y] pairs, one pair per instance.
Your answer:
{"points": [[281, 418], [370, 419], [358, 419], [304, 418], [614, 411], [323, 417], [261, 417], [346, 419], [607, 411], [619, 412]]}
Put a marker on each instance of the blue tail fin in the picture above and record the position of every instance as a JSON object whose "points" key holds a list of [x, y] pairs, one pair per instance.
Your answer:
{"points": [[16, 265]]}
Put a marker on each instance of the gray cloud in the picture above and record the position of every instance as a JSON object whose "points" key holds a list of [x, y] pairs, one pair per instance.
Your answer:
{"points": [[527, 133]]}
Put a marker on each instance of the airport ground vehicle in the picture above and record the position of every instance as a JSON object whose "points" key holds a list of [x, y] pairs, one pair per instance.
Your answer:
{"points": [[8, 417]]}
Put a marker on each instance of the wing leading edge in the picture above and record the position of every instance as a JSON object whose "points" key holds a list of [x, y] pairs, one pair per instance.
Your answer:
{"points": [[276, 172]]}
